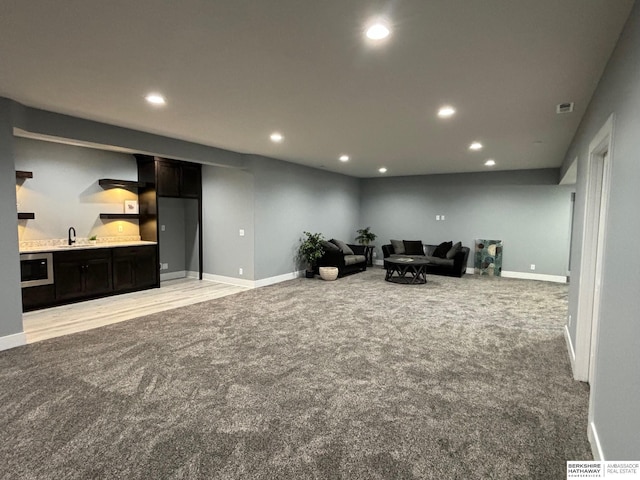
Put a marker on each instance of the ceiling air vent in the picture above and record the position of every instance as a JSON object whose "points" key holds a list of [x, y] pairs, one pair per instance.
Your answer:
{"points": [[564, 108]]}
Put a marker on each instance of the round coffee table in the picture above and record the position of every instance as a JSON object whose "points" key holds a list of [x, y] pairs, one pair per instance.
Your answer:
{"points": [[401, 266]]}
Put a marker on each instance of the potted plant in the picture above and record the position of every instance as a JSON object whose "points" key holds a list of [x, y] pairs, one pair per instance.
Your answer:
{"points": [[311, 250], [365, 236], [93, 239]]}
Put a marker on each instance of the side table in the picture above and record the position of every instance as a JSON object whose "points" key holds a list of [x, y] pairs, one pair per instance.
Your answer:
{"points": [[368, 253]]}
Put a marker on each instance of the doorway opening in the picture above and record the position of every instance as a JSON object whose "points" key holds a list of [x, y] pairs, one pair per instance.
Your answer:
{"points": [[179, 238]]}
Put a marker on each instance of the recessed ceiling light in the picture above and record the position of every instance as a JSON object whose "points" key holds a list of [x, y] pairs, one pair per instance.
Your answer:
{"points": [[475, 146], [490, 163], [377, 31], [155, 99], [382, 170], [344, 158], [446, 111], [276, 137]]}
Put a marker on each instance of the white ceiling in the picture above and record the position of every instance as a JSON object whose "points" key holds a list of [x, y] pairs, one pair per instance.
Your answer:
{"points": [[234, 71]]}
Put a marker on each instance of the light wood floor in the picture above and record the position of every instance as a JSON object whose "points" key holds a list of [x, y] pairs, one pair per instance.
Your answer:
{"points": [[66, 319]]}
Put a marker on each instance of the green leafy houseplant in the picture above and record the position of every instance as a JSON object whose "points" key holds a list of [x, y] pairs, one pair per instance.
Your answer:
{"points": [[311, 249], [365, 236]]}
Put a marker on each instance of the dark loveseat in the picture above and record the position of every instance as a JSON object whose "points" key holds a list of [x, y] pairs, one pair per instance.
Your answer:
{"points": [[346, 257], [455, 266]]}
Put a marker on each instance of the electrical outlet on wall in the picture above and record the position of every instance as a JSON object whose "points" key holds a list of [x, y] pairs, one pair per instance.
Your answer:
{"points": [[162, 228], [165, 266], [441, 217], [438, 217], [533, 266], [240, 271]]}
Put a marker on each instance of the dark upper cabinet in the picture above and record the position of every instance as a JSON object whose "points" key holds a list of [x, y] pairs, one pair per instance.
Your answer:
{"points": [[168, 179], [135, 267], [178, 179], [191, 181], [82, 274]]}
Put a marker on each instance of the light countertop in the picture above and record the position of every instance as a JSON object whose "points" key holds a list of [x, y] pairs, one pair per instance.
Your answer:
{"points": [[83, 246]]}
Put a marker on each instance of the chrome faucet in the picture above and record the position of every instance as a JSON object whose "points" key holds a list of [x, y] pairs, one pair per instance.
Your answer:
{"points": [[72, 241]]}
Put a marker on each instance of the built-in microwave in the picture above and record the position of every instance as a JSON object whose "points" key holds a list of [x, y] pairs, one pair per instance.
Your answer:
{"points": [[36, 269]]}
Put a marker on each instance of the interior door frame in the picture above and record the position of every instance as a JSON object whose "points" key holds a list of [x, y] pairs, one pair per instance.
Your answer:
{"points": [[593, 244]]}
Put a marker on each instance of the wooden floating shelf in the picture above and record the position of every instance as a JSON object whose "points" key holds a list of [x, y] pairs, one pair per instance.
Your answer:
{"points": [[26, 216], [112, 183], [119, 216], [23, 174]]}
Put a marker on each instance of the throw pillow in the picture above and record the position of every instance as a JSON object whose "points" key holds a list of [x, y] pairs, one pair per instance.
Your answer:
{"points": [[442, 249], [342, 246], [453, 250], [329, 247], [398, 247], [413, 247]]}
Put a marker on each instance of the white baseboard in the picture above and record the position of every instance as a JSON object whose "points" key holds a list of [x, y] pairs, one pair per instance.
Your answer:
{"points": [[12, 341], [570, 350], [594, 440], [240, 282], [192, 274], [278, 278], [263, 282], [173, 275], [535, 276], [507, 274]]}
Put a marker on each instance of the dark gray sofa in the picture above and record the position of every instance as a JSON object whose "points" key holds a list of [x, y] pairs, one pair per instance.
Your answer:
{"points": [[452, 267], [346, 262]]}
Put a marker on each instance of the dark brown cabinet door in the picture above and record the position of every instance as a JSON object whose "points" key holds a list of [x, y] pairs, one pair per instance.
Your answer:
{"points": [[97, 276], [123, 272], [82, 274], [37, 297], [146, 267], [68, 274], [135, 267], [168, 179], [178, 179], [190, 181]]}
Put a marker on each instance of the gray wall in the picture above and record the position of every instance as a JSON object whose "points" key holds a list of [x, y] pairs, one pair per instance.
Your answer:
{"points": [[616, 388], [227, 207], [527, 210], [191, 240], [290, 199], [10, 296], [64, 190], [172, 240], [179, 240]]}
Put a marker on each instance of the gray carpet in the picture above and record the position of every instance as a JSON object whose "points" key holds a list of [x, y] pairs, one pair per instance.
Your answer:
{"points": [[354, 379]]}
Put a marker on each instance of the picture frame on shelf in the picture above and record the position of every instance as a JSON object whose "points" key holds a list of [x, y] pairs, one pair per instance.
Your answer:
{"points": [[131, 207]]}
